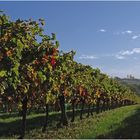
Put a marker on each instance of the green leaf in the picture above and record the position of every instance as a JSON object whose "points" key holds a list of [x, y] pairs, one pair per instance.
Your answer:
{"points": [[3, 73], [41, 76]]}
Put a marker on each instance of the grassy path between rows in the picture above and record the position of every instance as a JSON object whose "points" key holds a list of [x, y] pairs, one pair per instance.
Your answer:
{"points": [[122, 122]]}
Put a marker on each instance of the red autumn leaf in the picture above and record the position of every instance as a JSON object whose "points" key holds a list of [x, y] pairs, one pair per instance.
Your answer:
{"points": [[53, 61], [36, 62]]}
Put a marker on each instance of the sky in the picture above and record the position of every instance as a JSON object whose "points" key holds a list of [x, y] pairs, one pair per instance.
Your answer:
{"points": [[105, 35]]}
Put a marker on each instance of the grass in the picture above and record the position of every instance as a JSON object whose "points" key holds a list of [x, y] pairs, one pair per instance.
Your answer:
{"points": [[107, 124], [116, 123]]}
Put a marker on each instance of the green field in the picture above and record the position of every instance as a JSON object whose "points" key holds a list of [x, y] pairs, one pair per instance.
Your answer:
{"points": [[122, 122]]}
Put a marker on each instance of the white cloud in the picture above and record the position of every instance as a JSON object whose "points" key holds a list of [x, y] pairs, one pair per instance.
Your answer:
{"points": [[136, 50], [127, 32], [135, 36], [102, 30], [119, 57], [123, 54], [130, 52], [88, 57], [126, 52]]}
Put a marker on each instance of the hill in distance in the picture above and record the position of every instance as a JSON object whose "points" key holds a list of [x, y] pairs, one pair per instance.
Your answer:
{"points": [[132, 82]]}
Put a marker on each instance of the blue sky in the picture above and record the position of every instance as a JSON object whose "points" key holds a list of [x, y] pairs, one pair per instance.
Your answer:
{"points": [[103, 34]]}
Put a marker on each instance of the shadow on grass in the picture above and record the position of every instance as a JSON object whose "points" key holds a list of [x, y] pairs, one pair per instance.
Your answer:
{"points": [[129, 129], [7, 129], [12, 128]]}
